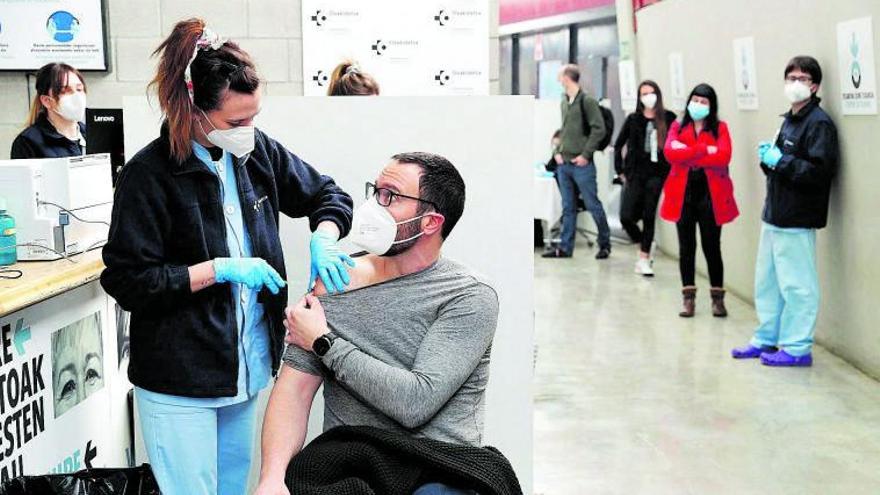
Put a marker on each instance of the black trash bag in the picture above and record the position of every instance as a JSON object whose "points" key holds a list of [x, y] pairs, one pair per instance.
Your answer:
{"points": [[104, 481]]}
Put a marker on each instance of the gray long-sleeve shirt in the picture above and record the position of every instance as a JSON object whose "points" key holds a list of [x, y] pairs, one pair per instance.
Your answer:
{"points": [[412, 354]]}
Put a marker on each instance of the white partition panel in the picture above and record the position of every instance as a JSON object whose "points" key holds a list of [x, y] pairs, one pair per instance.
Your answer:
{"points": [[548, 116], [488, 139]]}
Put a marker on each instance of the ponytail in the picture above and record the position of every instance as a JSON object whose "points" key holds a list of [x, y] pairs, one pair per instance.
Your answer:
{"points": [[214, 70], [349, 80], [36, 110]]}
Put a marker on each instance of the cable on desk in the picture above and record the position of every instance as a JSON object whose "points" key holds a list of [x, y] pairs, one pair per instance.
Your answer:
{"points": [[65, 210], [96, 245], [59, 253], [10, 273]]}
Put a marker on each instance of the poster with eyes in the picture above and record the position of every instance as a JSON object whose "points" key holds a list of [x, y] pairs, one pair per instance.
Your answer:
{"points": [[58, 378], [77, 363], [123, 339]]}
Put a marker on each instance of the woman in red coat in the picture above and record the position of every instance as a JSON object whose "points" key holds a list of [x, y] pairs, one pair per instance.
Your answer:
{"points": [[698, 190]]}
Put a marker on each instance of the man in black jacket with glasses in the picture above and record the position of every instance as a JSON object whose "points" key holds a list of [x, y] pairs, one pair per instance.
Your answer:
{"points": [[799, 166]]}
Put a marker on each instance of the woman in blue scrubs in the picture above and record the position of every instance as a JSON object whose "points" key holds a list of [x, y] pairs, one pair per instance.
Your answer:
{"points": [[194, 254]]}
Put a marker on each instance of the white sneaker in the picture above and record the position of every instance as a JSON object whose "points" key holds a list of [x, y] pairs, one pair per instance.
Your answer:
{"points": [[644, 268]]}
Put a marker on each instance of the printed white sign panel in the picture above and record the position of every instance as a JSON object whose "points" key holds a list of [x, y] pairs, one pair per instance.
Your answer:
{"points": [[855, 55], [36, 32], [410, 48], [745, 74], [628, 85], [676, 81]]}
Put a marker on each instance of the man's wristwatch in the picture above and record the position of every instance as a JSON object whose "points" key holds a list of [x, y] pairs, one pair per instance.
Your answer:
{"points": [[322, 344]]}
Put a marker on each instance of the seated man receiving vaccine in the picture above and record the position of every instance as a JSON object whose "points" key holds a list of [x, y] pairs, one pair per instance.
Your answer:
{"points": [[406, 348]]}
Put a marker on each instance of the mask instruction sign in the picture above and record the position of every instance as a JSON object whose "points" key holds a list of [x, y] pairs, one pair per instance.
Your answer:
{"points": [[745, 74], [36, 32], [54, 387], [676, 80], [627, 75], [855, 57], [411, 48]]}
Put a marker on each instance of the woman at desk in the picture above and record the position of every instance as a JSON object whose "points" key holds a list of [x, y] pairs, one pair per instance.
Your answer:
{"points": [[55, 125], [194, 254]]}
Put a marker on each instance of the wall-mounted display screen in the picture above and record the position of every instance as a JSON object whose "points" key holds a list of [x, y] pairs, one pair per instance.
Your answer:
{"points": [[36, 32]]}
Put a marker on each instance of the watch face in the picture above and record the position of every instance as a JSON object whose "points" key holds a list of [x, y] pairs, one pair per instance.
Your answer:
{"points": [[321, 346]]}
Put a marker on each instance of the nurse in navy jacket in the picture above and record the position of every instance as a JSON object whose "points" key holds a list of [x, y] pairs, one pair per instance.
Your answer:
{"points": [[55, 124], [194, 254]]}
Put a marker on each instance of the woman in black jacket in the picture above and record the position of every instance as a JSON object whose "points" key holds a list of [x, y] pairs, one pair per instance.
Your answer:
{"points": [[643, 169], [56, 126], [194, 254]]}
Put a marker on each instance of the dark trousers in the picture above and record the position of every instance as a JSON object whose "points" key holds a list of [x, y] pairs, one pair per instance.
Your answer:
{"points": [[639, 203], [697, 210]]}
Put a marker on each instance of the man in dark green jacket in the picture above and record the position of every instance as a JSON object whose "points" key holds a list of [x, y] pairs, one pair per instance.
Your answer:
{"points": [[582, 129]]}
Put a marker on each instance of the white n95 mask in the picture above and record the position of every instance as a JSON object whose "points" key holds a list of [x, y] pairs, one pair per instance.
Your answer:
{"points": [[374, 229], [239, 140], [72, 107], [797, 91], [649, 100]]}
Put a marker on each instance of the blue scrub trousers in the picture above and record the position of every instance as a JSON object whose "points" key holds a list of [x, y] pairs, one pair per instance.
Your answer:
{"points": [[786, 289], [199, 450]]}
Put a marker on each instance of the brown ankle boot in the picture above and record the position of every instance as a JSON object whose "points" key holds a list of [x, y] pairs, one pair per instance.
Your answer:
{"points": [[689, 296], [718, 309]]}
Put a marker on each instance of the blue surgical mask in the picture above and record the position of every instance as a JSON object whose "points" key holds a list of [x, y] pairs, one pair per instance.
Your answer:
{"points": [[698, 111]]}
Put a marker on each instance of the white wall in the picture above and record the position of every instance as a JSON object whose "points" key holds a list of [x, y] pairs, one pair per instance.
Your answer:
{"points": [[703, 31], [486, 138], [270, 30]]}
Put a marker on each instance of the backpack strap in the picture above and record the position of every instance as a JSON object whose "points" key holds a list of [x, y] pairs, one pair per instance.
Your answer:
{"points": [[584, 121]]}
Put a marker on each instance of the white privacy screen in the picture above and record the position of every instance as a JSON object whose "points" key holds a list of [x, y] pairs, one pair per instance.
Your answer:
{"points": [[490, 141]]}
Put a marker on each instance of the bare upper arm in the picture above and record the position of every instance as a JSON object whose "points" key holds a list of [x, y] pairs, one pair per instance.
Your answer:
{"points": [[360, 276], [320, 289], [292, 383]]}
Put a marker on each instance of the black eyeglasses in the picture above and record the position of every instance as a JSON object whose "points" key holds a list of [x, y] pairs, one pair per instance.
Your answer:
{"points": [[802, 79], [386, 196]]}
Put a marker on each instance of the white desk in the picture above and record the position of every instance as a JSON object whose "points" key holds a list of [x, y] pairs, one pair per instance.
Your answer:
{"points": [[548, 201]]}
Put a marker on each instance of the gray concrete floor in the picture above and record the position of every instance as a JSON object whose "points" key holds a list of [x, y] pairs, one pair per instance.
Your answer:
{"points": [[632, 399]]}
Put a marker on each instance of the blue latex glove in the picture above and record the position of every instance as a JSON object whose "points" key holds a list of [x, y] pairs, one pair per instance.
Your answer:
{"points": [[772, 156], [763, 146], [252, 272], [329, 262]]}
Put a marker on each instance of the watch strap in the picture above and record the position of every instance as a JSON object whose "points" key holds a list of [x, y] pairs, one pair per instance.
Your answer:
{"points": [[330, 339]]}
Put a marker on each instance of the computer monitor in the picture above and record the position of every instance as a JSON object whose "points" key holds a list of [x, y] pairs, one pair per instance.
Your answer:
{"points": [[104, 134]]}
